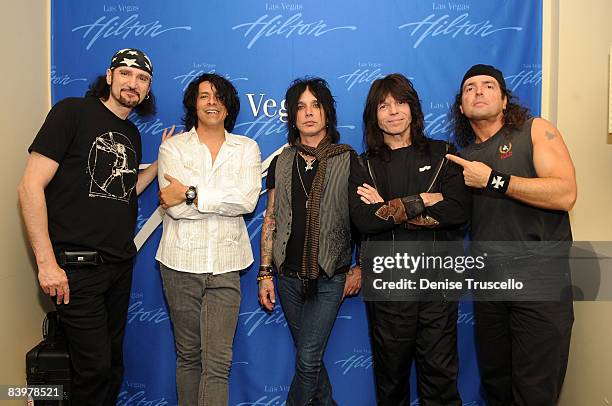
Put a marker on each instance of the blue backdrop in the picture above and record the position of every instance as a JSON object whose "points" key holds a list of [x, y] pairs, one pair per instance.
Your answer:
{"points": [[261, 46]]}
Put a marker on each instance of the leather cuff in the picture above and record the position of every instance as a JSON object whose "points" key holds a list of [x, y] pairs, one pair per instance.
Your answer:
{"points": [[413, 205], [392, 209], [422, 221]]}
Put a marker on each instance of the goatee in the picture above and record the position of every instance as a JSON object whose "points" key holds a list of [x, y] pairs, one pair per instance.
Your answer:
{"points": [[130, 103]]}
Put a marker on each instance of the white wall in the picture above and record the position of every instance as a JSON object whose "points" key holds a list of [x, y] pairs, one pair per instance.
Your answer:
{"points": [[576, 53], [24, 80]]}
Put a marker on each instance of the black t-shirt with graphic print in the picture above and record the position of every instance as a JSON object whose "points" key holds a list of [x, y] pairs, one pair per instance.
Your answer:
{"points": [[91, 200]]}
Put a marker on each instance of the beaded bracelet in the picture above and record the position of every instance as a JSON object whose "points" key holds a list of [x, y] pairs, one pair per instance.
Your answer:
{"points": [[264, 277]]}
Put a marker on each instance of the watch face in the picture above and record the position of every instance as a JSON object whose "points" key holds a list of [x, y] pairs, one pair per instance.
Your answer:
{"points": [[191, 194]]}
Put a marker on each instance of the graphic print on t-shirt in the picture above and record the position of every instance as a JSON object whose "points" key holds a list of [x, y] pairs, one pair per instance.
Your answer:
{"points": [[112, 167]]}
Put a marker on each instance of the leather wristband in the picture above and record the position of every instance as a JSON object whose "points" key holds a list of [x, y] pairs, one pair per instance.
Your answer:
{"points": [[265, 268], [498, 182], [414, 205], [401, 209], [393, 209]]}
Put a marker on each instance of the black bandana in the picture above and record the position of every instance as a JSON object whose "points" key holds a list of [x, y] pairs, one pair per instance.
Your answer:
{"points": [[487, 70], [133, 58]]}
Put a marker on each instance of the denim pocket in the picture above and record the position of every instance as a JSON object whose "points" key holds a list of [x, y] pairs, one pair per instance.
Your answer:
{"points": [[341, 277]]}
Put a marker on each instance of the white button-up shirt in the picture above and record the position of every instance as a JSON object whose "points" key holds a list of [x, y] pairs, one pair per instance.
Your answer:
{"points": [[210, 237]]}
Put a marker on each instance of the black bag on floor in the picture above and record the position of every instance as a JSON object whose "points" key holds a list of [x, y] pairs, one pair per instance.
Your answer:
{"points": [[48, 363]]}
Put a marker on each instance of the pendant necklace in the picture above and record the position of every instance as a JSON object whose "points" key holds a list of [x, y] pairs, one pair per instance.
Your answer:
{"points": [[309, 163], [297, 168]]}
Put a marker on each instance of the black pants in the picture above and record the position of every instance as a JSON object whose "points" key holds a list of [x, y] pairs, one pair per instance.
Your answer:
{"points": [[94, 322], [523, 349], [422, 331]]}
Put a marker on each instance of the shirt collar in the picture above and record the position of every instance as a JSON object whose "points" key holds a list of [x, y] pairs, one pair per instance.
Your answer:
{"points": [[230, 138]]}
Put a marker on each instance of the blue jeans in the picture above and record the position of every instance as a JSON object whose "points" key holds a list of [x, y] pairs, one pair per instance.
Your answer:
{"points": [[311, 321]]}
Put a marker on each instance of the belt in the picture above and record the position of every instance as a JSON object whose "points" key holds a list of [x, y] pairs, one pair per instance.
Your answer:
{"points": [[294, 274]]}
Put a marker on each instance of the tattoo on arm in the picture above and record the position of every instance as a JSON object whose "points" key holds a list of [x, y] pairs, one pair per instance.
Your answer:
{"points": [[550, 135], [267, 232]]}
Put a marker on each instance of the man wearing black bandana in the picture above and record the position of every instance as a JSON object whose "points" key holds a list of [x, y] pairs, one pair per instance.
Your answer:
{"points": [[523, 184], [78, 197], [306, 235]]}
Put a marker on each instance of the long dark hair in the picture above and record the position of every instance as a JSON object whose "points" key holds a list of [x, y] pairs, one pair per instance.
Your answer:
{"points": [[398, 86], [320, 89], [514, 116], [101, 90], [226, 94]]}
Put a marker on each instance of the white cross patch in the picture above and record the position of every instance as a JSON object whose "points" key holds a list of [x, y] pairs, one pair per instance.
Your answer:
{"points": [[425, 168], [498, 182]]}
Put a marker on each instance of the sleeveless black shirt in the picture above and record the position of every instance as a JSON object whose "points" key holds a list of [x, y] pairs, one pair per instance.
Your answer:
{"points": [[497, 217]]}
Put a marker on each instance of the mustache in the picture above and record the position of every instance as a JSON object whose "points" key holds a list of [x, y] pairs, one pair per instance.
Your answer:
{"points": [[129, 89]]}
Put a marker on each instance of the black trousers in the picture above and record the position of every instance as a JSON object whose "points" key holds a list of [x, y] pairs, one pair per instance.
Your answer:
{"points": [[94, 322], [425, 332], [523, 350]]}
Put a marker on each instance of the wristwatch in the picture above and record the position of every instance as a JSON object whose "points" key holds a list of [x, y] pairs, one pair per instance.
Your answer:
{"points": [[190, 195]]}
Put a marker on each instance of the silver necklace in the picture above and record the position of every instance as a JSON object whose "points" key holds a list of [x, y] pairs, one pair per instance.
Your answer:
{"points": [[309, 163], [297, 168]]}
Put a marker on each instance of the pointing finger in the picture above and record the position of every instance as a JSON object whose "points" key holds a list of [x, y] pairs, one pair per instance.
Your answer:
{"points": [[457, 159]]}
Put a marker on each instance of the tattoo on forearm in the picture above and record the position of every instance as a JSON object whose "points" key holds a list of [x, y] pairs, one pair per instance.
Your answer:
{"points": [[550, 135], [267, 237]]}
